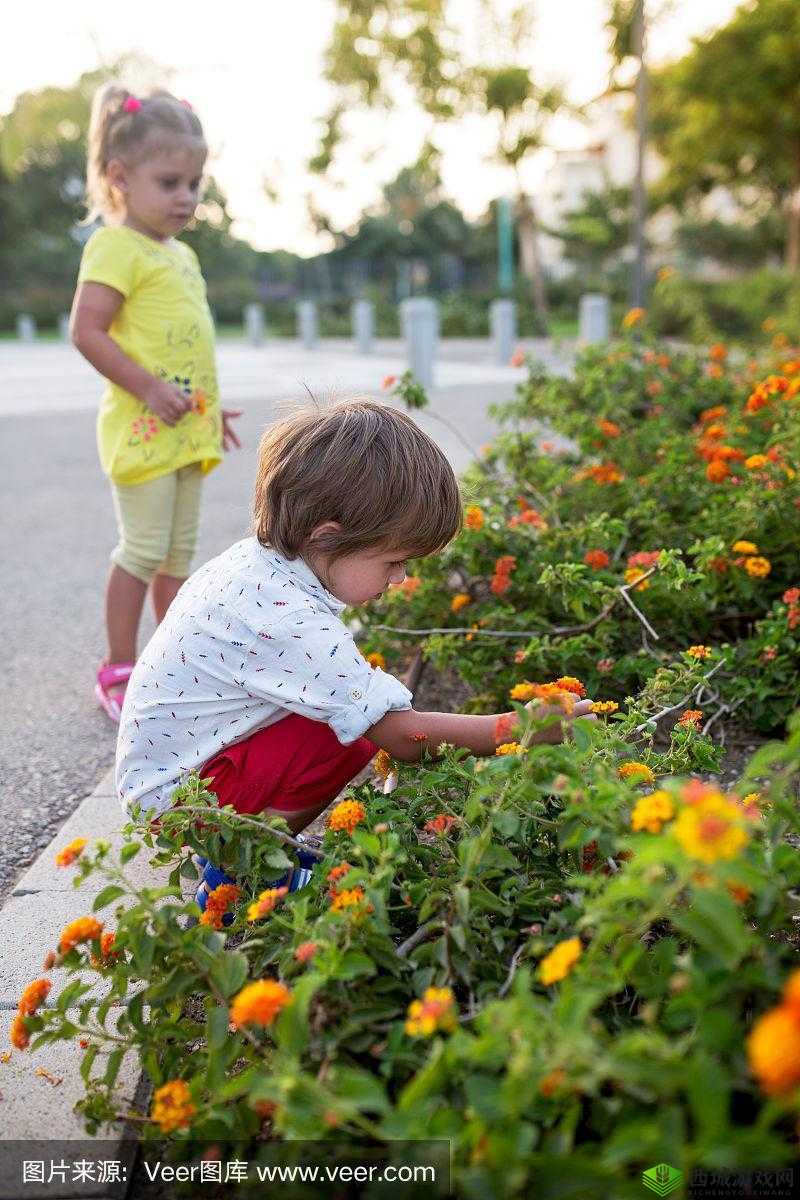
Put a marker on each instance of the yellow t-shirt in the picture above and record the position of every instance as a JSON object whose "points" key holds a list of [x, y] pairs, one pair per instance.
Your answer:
{"points": [[164, 325]]}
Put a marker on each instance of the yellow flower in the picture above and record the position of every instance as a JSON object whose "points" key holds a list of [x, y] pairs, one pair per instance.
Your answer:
{"points": [[756, 461], [346, 815], [652, 811], [711, 829], [265, 903], [605, 706], [376, 660], [559, 962], [637, 771], [632, 317], [473, 518], [461, 600], [523, 691], [511, 748], [699, 652], [172, 1106], [435, 1011], [634, 573], [758, 567], [259, 1003], [85, 929], [351, 898], [382, 765], [67, 856], [745, 548], [773, 1051]]}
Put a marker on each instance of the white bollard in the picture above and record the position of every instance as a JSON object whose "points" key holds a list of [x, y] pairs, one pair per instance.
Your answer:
{"points": [[594, 318], [307, 324], [421, 326], [63, 326], [26, 328], [363, 317], [254, 324], [503, 327]]}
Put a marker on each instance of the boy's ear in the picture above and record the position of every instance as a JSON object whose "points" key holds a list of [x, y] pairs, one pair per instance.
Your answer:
{"points": [[326, 527]]}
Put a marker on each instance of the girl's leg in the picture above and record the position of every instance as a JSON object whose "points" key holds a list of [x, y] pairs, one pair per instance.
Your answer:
{"points": [[185, 518], [124, 602]]}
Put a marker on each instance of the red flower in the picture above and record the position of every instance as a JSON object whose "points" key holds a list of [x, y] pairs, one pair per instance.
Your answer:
{"points": [[596, 559]]}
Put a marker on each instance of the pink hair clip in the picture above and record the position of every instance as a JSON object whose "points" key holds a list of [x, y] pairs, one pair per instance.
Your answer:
{"points": [[186, 104], [132, 105]]}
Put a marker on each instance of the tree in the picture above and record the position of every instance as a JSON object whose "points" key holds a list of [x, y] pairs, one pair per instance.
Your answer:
{"points": [[595, 234], [728, 113], [383, 49]]}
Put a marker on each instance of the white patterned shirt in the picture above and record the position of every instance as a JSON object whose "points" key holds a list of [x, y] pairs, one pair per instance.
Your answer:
{"points": [[250, 637]]}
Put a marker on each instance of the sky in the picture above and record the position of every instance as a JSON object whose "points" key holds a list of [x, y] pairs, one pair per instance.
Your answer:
{"points": [[252, 70]]}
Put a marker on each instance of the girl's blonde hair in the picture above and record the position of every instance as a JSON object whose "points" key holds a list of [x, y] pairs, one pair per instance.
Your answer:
{"points": [[115, 132], [363, 465]]}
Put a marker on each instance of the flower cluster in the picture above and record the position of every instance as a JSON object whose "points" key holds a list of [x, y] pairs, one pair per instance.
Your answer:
{"points": [[711, 828], [473, 518], [459, 601], [265, 903], [501, 580], [172, 1106], [773, 1047], [70, 853], [556, 965], [32, 998], [84, 929], [259, 1003], [791, 597], [637, 771], [353, 901], [218, 903], [440, 825], [651, 812], [435, 1012], [346, 815]]}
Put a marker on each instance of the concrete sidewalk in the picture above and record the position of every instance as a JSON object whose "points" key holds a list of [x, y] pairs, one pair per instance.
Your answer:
{"points": [[36, 1105]]}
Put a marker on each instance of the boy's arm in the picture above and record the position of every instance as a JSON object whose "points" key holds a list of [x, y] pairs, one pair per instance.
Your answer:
{"points": [[397, 731], [95, 306]]}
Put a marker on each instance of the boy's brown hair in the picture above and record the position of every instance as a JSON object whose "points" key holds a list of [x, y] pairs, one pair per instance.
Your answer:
{"points": [[362, 464]]}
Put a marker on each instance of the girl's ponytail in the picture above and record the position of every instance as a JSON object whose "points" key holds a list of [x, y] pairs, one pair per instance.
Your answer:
{"points": [[118, 128], [107, 107]]}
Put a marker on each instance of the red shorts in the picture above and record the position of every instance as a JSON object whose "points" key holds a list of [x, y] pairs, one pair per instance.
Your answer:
{"points": [[294, 764]]}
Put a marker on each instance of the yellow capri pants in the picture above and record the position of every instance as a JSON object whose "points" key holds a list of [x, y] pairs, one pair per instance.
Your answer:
{"points": [[158, 523]]}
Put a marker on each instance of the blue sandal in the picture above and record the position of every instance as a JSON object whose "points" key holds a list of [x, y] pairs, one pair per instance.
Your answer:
{"points": [[294, 879]]}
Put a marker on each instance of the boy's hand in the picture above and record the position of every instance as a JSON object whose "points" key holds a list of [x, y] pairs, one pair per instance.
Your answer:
{"points": [[229, 436], [166, 400], [561, 729]]}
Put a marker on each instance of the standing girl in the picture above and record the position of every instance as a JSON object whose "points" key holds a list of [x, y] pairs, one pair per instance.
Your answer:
{"points": [[141, 318]]}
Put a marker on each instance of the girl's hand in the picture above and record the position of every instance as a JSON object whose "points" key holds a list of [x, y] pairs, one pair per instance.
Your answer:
{"points": [[558, 731], [166, 400], [229, 438]]}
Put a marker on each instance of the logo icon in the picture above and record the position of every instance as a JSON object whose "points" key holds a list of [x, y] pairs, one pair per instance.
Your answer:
{"points": [[662, 1179]]}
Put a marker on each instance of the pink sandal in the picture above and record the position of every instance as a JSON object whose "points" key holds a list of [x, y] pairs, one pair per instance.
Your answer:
{"points": [[107, 676]]}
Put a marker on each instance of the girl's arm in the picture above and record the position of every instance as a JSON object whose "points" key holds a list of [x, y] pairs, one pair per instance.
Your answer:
{"points": [[396, 732], [93, 310]]}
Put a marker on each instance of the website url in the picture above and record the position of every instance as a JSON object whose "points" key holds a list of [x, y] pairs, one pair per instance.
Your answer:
{"points": [[200, 1173]]}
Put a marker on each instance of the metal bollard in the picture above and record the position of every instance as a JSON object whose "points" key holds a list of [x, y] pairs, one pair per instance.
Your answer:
{"points": [[420, 318], [254, 324], [307, 324], [63, 326], [26, 328], [594, 318], [363, 317], [503, 327]]}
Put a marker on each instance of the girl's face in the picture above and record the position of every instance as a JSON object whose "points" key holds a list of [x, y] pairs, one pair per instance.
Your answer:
{"points": [[160, 192], [359, 577]]}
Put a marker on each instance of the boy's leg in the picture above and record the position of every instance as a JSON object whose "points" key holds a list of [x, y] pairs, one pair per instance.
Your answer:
{"points": [[185, 519]]}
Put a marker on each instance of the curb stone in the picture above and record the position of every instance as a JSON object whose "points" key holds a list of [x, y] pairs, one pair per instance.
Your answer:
{"points": [[41, 903]]}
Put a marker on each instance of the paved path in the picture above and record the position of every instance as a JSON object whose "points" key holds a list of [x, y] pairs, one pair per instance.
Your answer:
{"points": [[57, 531]]}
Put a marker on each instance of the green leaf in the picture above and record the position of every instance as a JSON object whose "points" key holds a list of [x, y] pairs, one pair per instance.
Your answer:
{"points": [[112, 892], [229, 972], [361, 1089], [216, 1028], [114, 1063], [715, 923], [129, 851], [291, 1028], [355, 963], [88, 1060]]}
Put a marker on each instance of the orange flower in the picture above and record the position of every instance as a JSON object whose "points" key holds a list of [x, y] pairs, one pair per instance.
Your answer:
{"points": [[199, 403], [499, 585], [217, 904], [84, 929], [18, 1033], [637, 771], [67, 856], [632, 317], [654, 387], [634, 573], [692, 716], [517, 358], [306, 951], [556, 965], [409, 586], [715, 432], [717, 471], [529, 516], [699, 652], [713, 414], [265, 903], [773, 1051], [376, 659], [757, 566], [459, 601], [718, 352], [791, 993], [346, 815], [172, 1106], [756, 462], [596, 559], [568, 683], [351, 898], [505, 565], [382, 765], [440, 824], [608, 428], [606, 473], [552, 1082], [473, 518], [259, 1003], [33, 997], [388, 382]]}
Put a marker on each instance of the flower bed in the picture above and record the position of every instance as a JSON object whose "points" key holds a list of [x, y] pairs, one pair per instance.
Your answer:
{"points": [[572, 960]]}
